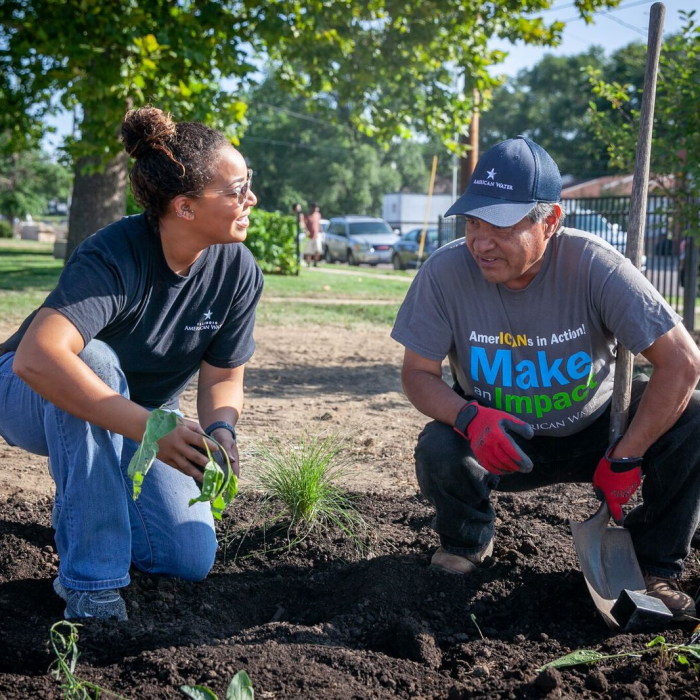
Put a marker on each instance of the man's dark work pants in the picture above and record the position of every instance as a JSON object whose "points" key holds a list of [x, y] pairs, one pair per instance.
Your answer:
{"points": [[662, 526]]}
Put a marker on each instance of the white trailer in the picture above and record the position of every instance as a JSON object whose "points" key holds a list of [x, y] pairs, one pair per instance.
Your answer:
{"points": [[404, 210]]}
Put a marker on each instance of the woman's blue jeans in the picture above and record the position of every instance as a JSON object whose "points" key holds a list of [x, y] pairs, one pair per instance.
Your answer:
{"points": [[662, 526], [100, 529]]}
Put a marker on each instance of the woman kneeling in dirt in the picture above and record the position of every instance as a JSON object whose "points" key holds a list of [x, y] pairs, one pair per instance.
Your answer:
{"points": [[140, 307]]}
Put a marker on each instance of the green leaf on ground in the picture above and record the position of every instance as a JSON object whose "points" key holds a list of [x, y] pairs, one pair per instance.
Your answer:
{"points": [[240, 688], [582, 656], [198, 692]]}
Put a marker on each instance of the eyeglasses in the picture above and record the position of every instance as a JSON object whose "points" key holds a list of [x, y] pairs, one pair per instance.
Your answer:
{"points": [[241, 191]]}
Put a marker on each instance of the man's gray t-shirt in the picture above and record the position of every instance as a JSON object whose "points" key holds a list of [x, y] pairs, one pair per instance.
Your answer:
{"points": [[546, 353]]}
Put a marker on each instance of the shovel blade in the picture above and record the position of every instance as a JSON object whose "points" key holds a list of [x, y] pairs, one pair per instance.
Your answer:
{"points": [[608, 561]]}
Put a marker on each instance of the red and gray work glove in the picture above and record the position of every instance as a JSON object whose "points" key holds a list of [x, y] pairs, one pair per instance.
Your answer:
{"points": [[487, 430], [615, 480]]}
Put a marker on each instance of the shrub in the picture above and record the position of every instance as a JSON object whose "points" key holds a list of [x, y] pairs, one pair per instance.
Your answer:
{"points": [[301, 481], [5, 229], [272, 240]]}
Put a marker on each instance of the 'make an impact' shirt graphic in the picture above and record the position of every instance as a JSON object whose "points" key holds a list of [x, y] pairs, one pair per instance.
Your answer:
{"points": [[539, 379], [546, 353]]}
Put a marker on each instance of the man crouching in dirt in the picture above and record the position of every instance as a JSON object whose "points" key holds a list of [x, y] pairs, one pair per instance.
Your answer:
{"points": [[528, 312]]}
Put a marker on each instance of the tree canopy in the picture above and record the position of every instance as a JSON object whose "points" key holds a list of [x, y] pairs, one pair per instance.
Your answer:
{"points": [[29, 181], [549, 103], [387, 66], [300, 154], [675, 153]]}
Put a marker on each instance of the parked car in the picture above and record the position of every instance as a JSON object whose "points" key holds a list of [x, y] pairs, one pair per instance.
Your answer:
{"points": [[406, 248], [359, 239], [593, 222]]}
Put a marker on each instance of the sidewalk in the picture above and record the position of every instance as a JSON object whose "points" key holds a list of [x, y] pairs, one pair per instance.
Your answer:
{"points": [[355, 271]]}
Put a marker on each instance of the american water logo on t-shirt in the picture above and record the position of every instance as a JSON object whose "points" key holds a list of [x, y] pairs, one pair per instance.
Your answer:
{"points": [[206, 324]]}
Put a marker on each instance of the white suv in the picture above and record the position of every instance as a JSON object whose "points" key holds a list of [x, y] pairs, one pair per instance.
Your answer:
{"points": [[359, 239]]}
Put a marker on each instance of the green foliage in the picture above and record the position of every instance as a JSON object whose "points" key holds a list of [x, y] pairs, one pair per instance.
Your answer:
{"points": [[64, 644], [217, 487], [675, 155], [272, 240], [387, 66], [28, 181], [5, 229], [240, 688], [159, 424], [304, 478], [301, 154], [548, 103], [102, 58], [667, 653]]}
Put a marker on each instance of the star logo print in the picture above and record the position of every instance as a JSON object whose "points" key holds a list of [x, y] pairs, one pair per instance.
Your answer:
{"points": [[491, 173], [207, 315]]}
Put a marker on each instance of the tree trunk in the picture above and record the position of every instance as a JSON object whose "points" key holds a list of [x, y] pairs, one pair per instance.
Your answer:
{"points": [[98, 199]]}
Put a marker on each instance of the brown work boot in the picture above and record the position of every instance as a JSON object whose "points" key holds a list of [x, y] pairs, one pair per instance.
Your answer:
{"points": [[460, 564], [668, 591]]}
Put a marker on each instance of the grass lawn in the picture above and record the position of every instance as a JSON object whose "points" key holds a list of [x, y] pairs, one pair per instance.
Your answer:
{"points": [[28, 272], [28, 266], [326, 285], [408, 274], [346, 315]]}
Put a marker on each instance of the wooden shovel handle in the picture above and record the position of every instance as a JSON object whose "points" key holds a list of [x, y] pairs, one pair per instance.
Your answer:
{"points": [[638, 207]]}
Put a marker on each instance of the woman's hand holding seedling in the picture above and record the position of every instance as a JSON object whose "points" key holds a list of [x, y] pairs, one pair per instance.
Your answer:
{"points": [[177, 448], [174, 440]]}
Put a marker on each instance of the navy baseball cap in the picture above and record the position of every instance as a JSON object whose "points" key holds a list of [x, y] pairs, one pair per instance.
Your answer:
{"points": [[508, 181]]}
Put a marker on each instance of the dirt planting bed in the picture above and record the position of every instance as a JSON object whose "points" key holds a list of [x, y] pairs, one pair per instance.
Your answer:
{"points": [[321, 620]]}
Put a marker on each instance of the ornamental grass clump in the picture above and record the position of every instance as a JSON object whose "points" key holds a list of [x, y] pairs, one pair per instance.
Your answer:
{"points": [[304, 478]]}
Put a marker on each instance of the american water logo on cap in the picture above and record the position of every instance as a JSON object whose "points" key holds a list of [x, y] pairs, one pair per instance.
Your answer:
{"points": [[491, 181]]}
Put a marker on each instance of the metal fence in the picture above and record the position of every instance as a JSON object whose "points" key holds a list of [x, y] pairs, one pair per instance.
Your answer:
{"points": [[670, 258]]}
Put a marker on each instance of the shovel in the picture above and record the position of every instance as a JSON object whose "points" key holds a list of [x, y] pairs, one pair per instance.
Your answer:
{"points": [[606, 554]]}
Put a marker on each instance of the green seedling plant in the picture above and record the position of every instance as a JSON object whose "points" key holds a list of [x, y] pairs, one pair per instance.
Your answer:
{"points": [[304, 478], [218, 487], [240, 688], [682, 653], [64, 643], [472, 617]]}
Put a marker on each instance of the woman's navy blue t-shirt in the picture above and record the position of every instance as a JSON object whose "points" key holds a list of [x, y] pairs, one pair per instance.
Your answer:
{"points": [[117, 287]]}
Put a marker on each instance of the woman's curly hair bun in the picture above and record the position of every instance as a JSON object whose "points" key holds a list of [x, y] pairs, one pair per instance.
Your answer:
{"points": [[147, 129]]}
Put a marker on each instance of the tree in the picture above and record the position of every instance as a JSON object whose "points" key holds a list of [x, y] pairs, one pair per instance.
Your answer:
{"points": [[549, 103], [387, 66], [675, 152], [300, 155], [28, 181], [98, 59]]}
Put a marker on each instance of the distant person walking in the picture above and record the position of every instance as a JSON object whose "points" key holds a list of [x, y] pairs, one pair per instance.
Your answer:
{"points": [[314, 241]]}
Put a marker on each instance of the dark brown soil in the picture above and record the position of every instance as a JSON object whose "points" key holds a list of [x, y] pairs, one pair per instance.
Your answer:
{"points": [[321, 621]]}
